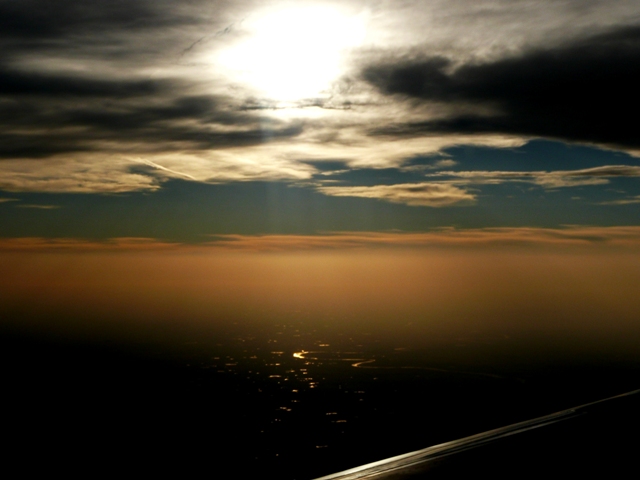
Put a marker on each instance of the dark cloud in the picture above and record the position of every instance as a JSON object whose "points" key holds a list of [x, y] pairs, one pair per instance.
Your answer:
{"points": [[132, 128], [24, 145], [142, 129], [142, 32], [137, 140], [579, 91], [45, 114], [13, 82], [38, 20]]}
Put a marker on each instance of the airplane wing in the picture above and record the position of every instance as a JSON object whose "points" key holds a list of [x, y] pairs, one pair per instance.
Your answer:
{"points": [[599, 438]]}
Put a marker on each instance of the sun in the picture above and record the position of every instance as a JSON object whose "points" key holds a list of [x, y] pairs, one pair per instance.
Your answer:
{"points": [[293, 54]]}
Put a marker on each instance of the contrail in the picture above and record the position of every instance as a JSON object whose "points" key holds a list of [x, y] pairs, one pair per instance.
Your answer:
{"points": [[219, 33], [160, 167]]}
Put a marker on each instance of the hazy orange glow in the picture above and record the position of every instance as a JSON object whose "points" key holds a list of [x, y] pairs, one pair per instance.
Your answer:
{"points": [[407, 294]]}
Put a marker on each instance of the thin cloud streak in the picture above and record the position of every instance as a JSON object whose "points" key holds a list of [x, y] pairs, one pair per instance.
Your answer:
{"points": [[624, 201], [413, 194], [591, 237], [574, 236], [547, 179], [39, 207], [36, 244]]}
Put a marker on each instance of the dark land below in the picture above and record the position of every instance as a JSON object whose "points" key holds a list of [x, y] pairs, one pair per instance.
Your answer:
{"points": [[194, 405]]}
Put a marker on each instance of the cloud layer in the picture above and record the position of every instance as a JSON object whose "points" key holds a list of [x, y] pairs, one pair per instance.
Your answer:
{"points": [[114, 96]]}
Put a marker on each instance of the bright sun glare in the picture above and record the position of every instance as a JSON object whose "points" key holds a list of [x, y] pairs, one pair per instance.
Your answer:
{"points": [[293, 54]]}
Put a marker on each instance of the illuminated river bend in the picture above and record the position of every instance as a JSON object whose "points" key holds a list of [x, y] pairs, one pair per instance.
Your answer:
{"points": [[366, 363]]}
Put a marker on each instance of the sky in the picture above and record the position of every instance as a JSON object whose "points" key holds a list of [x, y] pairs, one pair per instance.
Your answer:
{"points": [[187, 122], [323, 133]]}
